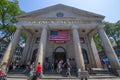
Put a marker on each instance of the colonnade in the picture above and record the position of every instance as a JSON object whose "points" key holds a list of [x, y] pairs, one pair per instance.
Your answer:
{"points": [[78, 52]]}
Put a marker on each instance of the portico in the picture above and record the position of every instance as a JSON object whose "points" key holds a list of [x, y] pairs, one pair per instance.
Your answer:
{"points": [[80, 26]]}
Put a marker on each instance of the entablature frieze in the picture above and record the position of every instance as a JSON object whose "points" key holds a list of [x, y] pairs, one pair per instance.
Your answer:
{"points": [[56, 18], [60, 20], [57, 26]]}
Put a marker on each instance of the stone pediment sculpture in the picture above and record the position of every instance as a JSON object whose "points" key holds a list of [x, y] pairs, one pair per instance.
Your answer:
{"points": [[60, 11]]}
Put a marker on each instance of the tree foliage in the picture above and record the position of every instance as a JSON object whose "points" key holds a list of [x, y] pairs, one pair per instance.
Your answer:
{"points": [[8, 10], [98, 42], [113, 32]]}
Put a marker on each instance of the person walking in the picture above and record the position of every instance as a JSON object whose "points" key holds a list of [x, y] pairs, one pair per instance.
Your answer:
{"points": [[103, 63], [38, 71], [31, 72], [68, 65], [60, 66]]}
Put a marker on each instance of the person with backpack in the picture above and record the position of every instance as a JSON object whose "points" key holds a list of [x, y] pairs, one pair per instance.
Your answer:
{"points": [[68, 66], [31, 72]]}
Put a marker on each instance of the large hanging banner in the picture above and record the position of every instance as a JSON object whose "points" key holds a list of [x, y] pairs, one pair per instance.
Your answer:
{"points": [[59, 35]]}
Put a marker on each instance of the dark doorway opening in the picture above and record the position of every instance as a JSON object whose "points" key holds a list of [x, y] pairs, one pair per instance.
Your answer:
{"points": [[85, 56], [34, 56], [59, 54]]}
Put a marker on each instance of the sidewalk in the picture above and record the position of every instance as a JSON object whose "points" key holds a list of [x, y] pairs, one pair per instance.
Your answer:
{"points": [[58, 77], [64, 79]]}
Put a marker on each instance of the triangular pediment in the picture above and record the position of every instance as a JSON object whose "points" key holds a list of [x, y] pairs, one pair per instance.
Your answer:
{"points": [[60, 10]]}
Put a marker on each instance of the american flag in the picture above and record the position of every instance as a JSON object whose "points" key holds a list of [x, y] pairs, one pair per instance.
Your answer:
{"points": [[59, 35]]}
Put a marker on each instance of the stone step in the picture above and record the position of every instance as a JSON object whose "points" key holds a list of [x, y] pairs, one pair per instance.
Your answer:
{"points": [[22, 76], [98, 74], [102, 72], [63, 77], [16, 71]]}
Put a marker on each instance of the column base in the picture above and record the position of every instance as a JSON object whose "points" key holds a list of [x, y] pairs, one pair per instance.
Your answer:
{"points": [[83, 75], [116, 72], [41, 75]]}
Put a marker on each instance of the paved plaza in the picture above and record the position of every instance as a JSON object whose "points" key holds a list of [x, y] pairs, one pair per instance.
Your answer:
{"points": [[65, 79], [59, 77]]}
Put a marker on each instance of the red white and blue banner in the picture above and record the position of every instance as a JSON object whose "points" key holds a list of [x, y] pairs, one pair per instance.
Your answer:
{"points": [[59, 35]]}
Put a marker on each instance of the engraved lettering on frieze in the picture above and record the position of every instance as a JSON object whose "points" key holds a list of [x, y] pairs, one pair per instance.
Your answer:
{"points": [[59, 21]]}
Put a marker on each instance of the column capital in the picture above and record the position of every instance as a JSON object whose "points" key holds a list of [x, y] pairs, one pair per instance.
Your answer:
{"points": [[19, 26], [19, 29], [28, 34], [74, 27], [45, 27], [101, 26]]}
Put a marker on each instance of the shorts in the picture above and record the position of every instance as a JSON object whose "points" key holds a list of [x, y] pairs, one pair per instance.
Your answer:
{"points": [[38, 75]]}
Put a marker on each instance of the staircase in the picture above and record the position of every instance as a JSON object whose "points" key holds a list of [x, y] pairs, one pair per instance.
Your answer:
{"points": [[63, 73], [99, 73], [49, 74], [16, 71]]}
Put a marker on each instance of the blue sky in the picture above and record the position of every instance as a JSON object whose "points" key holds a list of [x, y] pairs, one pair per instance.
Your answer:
{"points": [[109, 8]]}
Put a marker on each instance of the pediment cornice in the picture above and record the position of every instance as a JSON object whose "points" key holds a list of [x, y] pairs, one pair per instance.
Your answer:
{"points": [[33, 14]]}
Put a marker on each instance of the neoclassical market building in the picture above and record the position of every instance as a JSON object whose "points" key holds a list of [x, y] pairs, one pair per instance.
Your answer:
{"points": [[60, 32]]}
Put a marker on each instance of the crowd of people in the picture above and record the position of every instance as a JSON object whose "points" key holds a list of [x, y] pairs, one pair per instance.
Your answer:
{"points": [[33, 73], [66, 64], [61, 66]]}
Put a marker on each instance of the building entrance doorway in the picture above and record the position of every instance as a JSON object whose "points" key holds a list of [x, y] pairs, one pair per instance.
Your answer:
{"points": [[34, 56], [59, 54]]}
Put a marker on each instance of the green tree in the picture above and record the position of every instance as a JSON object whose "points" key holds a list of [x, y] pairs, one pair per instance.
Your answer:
{"points": [[98, 43], [117, 32], [8, 11], [113, 31]]}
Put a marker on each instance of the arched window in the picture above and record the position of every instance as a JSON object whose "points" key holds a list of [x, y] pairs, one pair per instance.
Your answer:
{"points": [[59, 49], [59, 54], [85, 56]]}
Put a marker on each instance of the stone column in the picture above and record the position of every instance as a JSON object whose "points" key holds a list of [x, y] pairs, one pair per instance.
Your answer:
{"points": [[78, 55], [95, 54], [30, 50], [42, 45], [90, 57], [11, 49], [25, 51], [115, 65]]}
